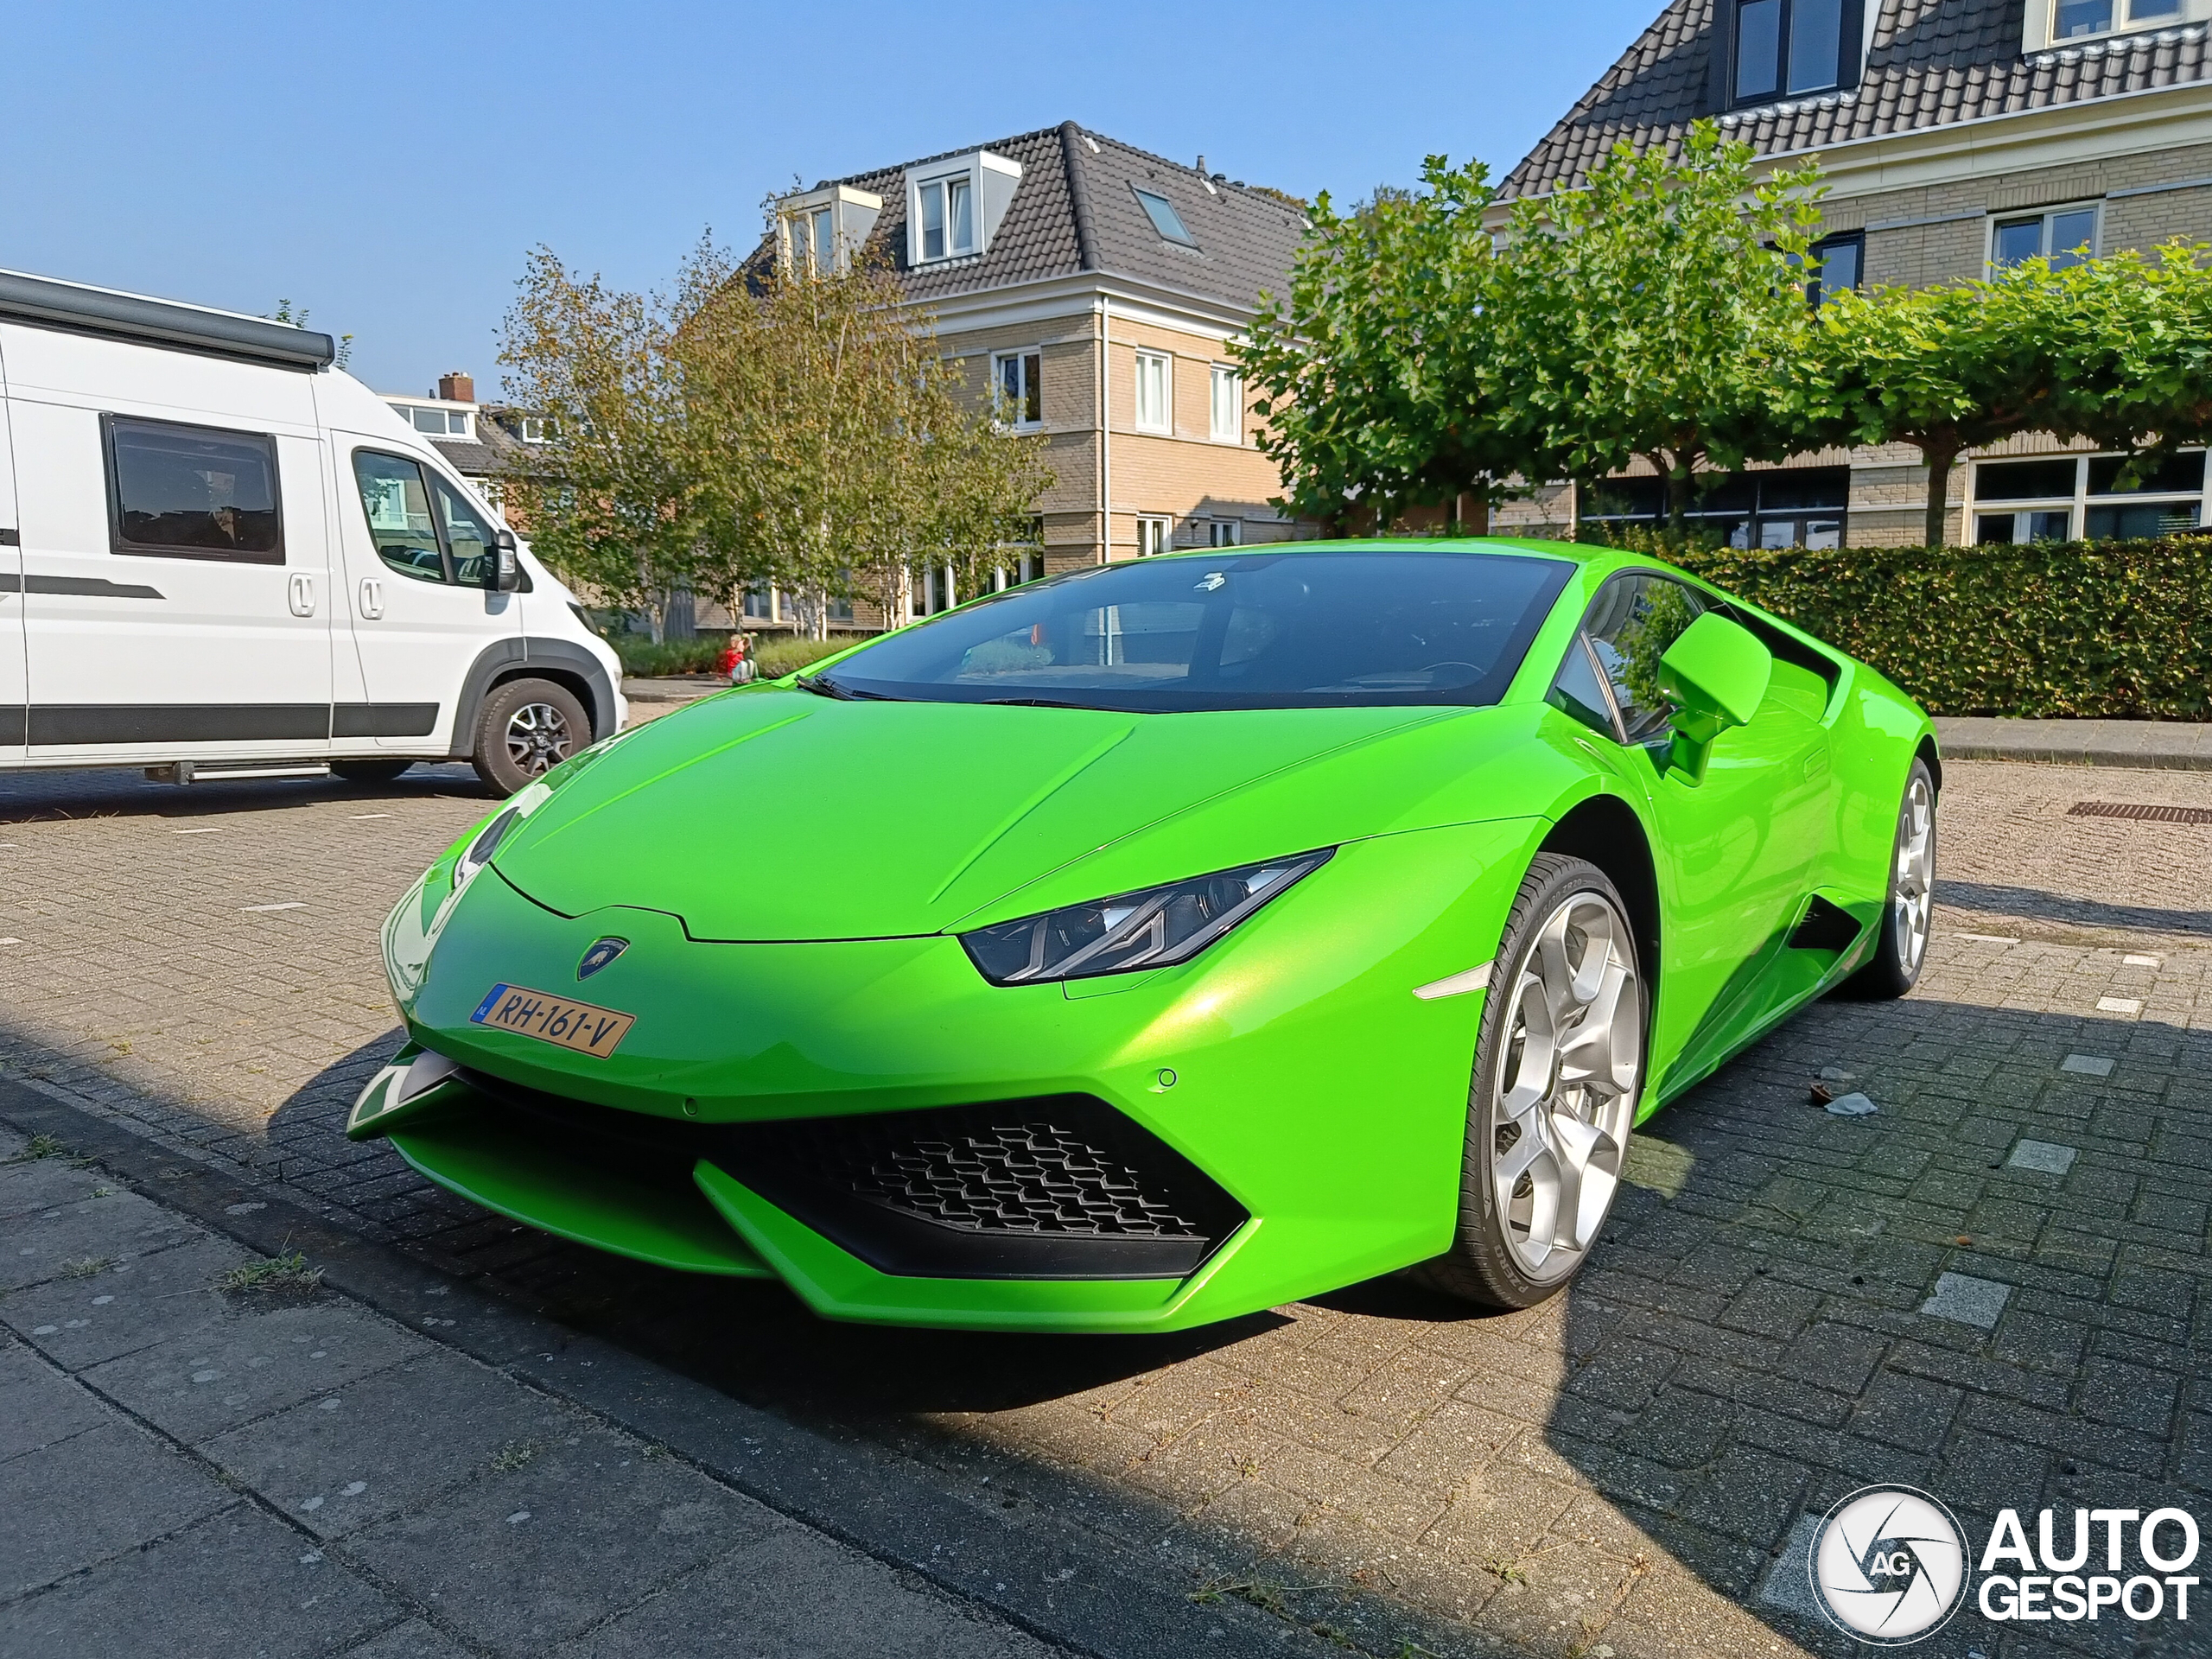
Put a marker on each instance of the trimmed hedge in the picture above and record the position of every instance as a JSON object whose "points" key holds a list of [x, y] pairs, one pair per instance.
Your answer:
{"points": [[2113, 629]]}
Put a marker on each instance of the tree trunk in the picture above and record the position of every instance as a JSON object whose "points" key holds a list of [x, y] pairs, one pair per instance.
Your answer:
{"points": [[1678, 500], [1939, 462]]}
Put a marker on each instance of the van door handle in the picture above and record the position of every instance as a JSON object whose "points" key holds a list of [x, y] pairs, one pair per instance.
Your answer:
{"points": [[371, 598], [302, 590]]}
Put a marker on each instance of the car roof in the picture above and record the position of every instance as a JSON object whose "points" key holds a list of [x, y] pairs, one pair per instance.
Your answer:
{"points": [[1528, 547]]}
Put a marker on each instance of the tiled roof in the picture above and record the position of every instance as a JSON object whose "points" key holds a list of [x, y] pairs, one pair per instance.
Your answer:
{"points": [[494, 450], [1075, 211], [1932, 63]]}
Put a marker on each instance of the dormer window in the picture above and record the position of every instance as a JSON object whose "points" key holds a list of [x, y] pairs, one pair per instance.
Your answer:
{"points": [[822, 228], [1789, 48], [2072, 20], [948, 218], [954, 206]]}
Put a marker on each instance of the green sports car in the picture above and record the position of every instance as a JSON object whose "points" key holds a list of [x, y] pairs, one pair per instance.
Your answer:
{"points": [[1167, 939]]}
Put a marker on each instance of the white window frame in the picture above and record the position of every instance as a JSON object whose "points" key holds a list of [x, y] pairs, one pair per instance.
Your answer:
{"points": [[2094, 209], [964, 176], [534, 429], [1155, 534], [1022, 354], [2076, 506], [1163, 420], [1225, 390], [2042, 28]]}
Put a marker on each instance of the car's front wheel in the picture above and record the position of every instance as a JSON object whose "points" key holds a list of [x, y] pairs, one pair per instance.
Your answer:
{"points": [[1559, 1067], [525, 730]]}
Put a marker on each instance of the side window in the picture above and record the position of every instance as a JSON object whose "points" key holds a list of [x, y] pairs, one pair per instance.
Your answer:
{"points": [[1629, 627], [469, 538], [1577, 691], [192, 492], [398, 504]]}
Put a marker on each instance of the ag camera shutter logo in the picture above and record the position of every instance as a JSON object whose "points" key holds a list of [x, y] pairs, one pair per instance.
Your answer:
{"points": [[1889, 1565]]}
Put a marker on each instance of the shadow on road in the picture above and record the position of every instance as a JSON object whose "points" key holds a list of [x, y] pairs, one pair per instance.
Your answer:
{"points": [[42, 797]]}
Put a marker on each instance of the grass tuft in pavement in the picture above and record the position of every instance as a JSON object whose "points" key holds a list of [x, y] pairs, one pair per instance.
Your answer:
{"points": [[39, 1146], [276, 1275], [85, 1266]]}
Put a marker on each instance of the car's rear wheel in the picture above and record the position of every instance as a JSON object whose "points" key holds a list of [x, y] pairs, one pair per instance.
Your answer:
{"points": [[525, 728], [1559, 1067], [1902, 949], [368, 771]]}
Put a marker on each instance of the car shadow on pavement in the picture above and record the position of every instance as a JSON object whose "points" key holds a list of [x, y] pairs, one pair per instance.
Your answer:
{"points": [[1987, 1289], [2035, 904], [39, 797]]}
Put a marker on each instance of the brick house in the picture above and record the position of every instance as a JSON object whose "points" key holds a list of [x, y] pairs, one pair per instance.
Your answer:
{"points": [[1955, 136], [1095, 288]]}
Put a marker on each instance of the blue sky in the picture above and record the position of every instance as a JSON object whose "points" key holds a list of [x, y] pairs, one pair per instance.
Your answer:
{"points": [[387, 167]]}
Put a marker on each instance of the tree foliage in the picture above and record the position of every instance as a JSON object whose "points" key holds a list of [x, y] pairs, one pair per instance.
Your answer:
{"points": [[756, 428], [1420, 353]]}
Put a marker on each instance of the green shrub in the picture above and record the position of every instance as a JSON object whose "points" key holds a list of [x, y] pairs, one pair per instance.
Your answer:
{"points": [[2076, 629], [781, 655], [642, 657]]}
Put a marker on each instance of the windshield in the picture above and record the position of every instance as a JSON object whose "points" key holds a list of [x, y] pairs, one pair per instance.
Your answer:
{"points": [[1246, 630]]}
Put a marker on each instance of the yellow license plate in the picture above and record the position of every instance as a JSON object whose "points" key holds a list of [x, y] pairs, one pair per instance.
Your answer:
{"points": [[549, 1019]]}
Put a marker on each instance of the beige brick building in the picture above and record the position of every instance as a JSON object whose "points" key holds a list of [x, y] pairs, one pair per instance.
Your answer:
{"points": [[1095, 289], [1955, 136]]}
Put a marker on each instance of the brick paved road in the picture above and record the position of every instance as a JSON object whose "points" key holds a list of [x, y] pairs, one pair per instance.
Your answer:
{"points": [[1620, 1470]]}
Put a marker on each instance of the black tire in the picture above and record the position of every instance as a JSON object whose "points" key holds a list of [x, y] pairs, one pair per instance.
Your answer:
{"points": [[524, 729], [1490, 1261], [1909, 906], [368, 771]]}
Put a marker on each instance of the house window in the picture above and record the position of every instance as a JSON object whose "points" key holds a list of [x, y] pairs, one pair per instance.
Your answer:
{"points": [[1155, 385], [433, 423], [2044, 501], [1838, 263], [2072, 19], [814, 239], [1224, 532], [948, 217], [536, 428], [1228, 406], [1165, 220], [2064, 235], [1151, 536], [1787, 47], [1016, 382], [1787, 507]]}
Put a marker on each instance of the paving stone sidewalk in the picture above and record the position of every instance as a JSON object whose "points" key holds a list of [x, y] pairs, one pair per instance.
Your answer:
{"points": [[279, 1470], [1993, 1287]]}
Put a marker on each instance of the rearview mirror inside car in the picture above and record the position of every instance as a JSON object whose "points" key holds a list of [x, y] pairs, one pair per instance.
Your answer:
{"points": [[504, 570], [1716, 677]]}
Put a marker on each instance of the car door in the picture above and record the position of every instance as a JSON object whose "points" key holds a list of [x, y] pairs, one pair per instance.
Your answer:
{"points": [[1736, 849], [176, 585], [417, 556]]}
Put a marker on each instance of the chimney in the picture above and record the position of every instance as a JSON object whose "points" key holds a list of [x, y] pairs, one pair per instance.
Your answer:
{"points": [[1202, 165], [457, 387]]}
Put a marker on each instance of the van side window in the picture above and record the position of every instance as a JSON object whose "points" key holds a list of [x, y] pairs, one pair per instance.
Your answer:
{"points": [[192, 492], [469, 538], [398, 502]]}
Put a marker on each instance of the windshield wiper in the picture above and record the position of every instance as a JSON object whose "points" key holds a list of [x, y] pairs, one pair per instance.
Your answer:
{"points": [[822, 686], [1035, 702]]}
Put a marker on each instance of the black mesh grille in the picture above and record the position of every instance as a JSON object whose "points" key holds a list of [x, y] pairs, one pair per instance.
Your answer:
{"points": [[1027, 1177], [1059, 1187]]}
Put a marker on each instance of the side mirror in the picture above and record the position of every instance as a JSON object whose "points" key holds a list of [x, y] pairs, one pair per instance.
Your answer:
{"points": [[503, 570], [1716, 675]]}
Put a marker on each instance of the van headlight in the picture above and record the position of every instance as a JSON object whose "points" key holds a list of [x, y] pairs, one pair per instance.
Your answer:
{"points": [[1133, 931]]}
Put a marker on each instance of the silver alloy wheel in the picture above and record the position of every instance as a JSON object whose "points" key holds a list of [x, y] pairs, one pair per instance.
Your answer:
{"points": [[1912, 893], [1564, 1095], [538, 739]]}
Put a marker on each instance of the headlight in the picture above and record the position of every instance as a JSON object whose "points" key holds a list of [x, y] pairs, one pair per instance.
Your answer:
{"points": [[1135, 931]]}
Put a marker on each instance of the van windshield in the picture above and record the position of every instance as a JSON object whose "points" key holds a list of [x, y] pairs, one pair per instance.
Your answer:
{"points": [[1250, 630]]}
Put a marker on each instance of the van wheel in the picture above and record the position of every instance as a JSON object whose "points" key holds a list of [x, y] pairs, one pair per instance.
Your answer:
{"points": [[368, 771], [527, 727]]}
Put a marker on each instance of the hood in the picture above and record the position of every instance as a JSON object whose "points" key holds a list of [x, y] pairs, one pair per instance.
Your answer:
{"points": [[780, 816]]}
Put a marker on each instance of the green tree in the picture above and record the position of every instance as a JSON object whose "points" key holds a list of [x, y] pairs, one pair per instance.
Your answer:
{"points": [[615, 501], [1371, 373], [1655, 313]]}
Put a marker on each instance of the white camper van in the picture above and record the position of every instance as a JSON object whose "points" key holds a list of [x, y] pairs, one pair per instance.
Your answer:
{"points": [[226, 557]]}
